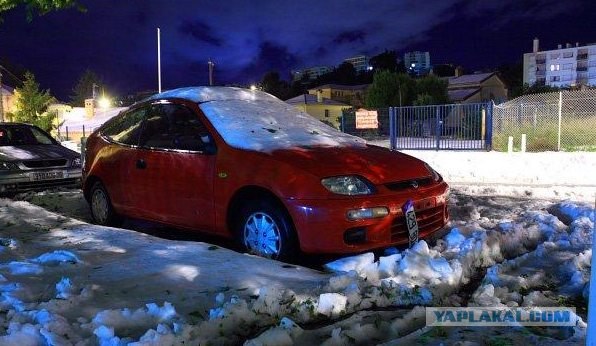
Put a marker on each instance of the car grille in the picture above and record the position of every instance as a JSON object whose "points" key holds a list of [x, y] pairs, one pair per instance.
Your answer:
{"points": [[44, 184], [429, 220], [44, 163], [409, 184]]}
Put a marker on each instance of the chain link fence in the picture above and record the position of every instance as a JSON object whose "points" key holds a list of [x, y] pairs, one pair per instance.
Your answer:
{"points": [[554, 121]]}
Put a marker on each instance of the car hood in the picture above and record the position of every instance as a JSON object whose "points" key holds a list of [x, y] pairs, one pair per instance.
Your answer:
{"points": [[378, 165], [35, 152]]}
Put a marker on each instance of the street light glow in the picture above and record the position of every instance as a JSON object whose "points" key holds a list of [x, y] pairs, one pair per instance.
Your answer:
{"points": [[253, 87], [104, 102]]}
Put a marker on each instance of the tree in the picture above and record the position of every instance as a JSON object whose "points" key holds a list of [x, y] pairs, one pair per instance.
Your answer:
{"points": [[537, 89], [512, 76], [273, 84], [385, 61], [431, 90], [32, 105], [390, 89], [40, 6], [345, 74], [84, 88]]}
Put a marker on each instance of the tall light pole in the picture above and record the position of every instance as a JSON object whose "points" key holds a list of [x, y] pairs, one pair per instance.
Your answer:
{"points": [[1, 101], [211, 66], [158, 60]]}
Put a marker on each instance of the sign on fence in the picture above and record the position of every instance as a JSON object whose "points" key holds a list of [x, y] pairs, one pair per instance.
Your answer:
{"points": [[366, 119]]}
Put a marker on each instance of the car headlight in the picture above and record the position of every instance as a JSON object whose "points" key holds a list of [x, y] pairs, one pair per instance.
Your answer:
{"points": [[76, 162], [8, 166], [348, 185], [436, 176]]}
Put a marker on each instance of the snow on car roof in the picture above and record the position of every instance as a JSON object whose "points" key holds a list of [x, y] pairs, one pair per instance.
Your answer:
{"points": [[207, 94], [255, 120]]}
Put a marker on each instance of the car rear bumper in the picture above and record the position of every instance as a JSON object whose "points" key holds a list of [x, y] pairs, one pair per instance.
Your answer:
{"points": [[14, 182], [323, 226]]}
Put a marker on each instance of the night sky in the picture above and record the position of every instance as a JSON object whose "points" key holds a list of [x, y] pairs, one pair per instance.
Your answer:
{"points": [[117, 39]]}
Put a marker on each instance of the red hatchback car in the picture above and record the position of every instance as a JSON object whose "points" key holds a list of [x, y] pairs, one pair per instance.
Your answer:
{"points": [[243, 164]]}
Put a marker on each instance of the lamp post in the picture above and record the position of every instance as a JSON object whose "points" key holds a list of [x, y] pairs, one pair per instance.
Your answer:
{"points": [[1, 101], [211, 66], [158, 60]]}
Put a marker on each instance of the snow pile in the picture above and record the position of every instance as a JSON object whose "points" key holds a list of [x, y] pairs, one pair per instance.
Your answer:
{"points": [[114, 327], [498, 257]]}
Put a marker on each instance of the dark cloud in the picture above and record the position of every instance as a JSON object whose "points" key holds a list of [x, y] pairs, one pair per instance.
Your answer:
{"points": [[350, 37], [117, 39], [200, 32], [271, 57]]}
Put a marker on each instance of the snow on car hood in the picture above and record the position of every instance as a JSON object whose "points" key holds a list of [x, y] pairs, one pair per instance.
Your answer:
{"points": [[268, 124], [35, 152]]}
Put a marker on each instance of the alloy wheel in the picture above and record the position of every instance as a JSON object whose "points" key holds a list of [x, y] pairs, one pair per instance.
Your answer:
{"points": [[262, 235], [100, 206]]}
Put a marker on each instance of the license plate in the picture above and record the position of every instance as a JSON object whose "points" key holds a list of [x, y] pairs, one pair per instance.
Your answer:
{"points": [[36, 176], [411, 223]]}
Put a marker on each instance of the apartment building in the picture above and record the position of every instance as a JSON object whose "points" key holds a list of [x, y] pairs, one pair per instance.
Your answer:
{"points": [[417, 63], [569, 65], [310, 73], [361, 63]]}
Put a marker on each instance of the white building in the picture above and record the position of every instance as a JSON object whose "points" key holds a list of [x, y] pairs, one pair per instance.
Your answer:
{"points": [[564, 66], [310, 73], [417, 63], [360, 62]]}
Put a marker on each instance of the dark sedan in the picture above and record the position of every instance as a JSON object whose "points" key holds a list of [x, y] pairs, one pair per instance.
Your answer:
{"points": [[30, 159]]}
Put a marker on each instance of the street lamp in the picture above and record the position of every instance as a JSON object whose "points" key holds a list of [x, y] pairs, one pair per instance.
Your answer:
{"points": [[104, 102]]}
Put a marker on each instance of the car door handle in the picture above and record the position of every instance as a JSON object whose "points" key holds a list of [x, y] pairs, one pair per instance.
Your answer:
{"points": [[141, 164]]}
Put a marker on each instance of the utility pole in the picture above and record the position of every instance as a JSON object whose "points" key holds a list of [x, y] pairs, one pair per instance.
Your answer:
{"points": [[211, 66], [1, 100], [158, 60]]}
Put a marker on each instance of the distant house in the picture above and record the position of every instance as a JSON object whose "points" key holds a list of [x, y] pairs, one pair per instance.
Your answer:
{"points": [[327, 110], [353, 95], [9, 99], [473, 88]]}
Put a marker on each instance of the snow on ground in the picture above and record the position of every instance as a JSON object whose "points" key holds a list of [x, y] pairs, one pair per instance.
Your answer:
{"points": [[547, 175], [64, 281]]}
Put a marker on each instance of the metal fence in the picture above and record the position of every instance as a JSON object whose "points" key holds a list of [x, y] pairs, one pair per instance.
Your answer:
{"points": [[348, 125], [436, 127], [551, 121]]}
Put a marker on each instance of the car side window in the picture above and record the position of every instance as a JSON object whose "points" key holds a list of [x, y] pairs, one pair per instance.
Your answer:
{"points": [[173, 126], [126, 128]]}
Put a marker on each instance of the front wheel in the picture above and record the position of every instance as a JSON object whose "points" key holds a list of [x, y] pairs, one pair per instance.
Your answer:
{"points": [[102, 210], [264, 229]]}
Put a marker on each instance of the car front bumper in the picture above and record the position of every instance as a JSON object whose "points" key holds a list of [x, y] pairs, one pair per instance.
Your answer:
{"points": [[19, 181], [323, 225]]}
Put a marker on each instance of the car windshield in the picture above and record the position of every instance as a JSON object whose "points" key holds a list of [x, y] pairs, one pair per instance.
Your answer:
{"points": [[23, 135], [268, 125]]}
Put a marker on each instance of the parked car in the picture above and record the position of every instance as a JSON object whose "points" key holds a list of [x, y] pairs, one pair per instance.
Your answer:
{"points": [[243, 164], [30, 159]]}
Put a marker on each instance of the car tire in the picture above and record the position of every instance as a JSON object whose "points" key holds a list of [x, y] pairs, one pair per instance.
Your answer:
{"points": [[265, 229], [101, 207]]}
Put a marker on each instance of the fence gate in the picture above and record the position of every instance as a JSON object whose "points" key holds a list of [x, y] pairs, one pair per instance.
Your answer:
{"points": [[441, 127]]}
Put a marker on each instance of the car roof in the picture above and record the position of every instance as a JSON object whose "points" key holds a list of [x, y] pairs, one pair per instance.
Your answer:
{"points": [[204, 94]]}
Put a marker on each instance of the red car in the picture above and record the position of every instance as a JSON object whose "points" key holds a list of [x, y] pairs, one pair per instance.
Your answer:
{"points": [[243, 164]]}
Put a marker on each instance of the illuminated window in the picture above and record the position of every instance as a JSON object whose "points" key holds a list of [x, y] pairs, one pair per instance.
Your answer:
{"points": [[555, 67]]}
